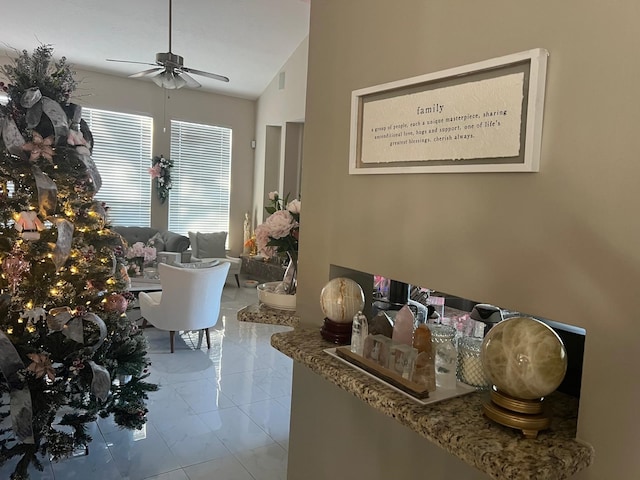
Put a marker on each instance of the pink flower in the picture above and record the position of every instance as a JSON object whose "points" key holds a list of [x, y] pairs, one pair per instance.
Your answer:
{"points": [[140, 250], [155, 170], [280, 224], [280, 231], [41, 365], [262, 238], [294, 206], [39, 147]]}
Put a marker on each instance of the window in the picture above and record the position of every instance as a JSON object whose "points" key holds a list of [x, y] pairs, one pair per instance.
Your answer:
{"points": [[122, 153], [201, 178]]}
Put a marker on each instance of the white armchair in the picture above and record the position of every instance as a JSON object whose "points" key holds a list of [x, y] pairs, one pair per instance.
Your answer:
{"points": [[189, 300]]}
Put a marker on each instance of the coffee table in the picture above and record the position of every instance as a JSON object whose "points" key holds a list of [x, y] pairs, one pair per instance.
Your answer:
{"points": [[141, 284]]}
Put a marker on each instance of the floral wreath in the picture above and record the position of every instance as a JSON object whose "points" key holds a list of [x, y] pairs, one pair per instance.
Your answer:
{"points": [[161, 171]]}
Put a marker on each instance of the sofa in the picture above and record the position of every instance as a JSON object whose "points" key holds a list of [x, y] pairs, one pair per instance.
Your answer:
{"points": [[164, 241], [212, 246]]}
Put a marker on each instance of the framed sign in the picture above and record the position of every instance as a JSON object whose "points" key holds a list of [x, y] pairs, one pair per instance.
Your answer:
{"points": [[482, 117]]}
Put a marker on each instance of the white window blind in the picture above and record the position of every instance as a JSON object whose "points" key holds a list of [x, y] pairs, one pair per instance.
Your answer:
{"points": [[122, 153], [201, 178]]}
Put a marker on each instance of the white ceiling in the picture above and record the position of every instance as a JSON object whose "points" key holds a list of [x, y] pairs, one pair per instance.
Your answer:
{"points": [[245, 40]]}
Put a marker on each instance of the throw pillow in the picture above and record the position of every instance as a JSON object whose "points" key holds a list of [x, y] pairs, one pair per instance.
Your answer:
{"points": [[157, 242], [174, 242], [212, 263], [211, 245]]}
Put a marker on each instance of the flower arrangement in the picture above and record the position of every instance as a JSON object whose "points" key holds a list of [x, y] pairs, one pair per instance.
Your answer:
{"points": [[138, 255], [278, 235], [161, 171]]}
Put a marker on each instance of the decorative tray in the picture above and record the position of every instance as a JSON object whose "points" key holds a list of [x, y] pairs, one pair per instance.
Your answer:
{"points": [[356, 362]]}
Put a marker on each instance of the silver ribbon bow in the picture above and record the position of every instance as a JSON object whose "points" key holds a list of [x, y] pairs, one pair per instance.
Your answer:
{"points": [[101, 382], [37, 104], [47, 192], [12, 137], [63, 243], [61, 319], [21, 407]]}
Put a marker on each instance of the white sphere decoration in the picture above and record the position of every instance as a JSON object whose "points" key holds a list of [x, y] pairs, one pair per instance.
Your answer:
{"points": [[524, 358], [341, 298]]}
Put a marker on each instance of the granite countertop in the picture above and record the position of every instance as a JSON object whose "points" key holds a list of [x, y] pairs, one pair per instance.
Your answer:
{"points": [[458, 424], [259, 313]]}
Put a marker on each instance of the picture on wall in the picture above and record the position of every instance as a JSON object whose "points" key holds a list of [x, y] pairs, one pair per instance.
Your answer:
{"points": [[483, 117]]}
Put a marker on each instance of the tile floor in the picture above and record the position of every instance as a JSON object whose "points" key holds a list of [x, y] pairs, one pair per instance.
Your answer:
{"points": [[219, 414]]}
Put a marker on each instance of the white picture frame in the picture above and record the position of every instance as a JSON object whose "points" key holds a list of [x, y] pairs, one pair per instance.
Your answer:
{"points": [[512, 84]]}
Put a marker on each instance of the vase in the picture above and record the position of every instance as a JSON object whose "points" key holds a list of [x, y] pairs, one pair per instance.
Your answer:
{"points": [[290, 278]]}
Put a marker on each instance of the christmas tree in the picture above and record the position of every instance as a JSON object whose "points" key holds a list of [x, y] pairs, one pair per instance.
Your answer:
{"points": [[68, 352]]}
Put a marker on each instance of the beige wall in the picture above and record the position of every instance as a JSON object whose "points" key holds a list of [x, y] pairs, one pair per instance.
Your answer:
{"points": [[276, 107], [561, 243], [145, 98]]}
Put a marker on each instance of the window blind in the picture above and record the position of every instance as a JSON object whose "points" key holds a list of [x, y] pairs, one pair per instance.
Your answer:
{"points": [[201, 178], [122, 153]]}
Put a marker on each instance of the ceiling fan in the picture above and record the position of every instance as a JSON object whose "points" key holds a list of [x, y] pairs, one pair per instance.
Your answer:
{"points": [[169, 70]]}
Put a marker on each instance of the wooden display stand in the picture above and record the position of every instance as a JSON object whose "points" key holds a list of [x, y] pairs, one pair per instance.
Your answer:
{"points": [[389, 376], [525, 415], [338, 333]]}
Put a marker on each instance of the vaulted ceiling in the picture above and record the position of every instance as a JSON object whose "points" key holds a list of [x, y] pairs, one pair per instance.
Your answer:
{"points": [[245, 40]]}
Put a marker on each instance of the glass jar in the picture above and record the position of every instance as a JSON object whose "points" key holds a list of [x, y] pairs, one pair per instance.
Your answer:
{"points": [[470, 369], [446, 355]]}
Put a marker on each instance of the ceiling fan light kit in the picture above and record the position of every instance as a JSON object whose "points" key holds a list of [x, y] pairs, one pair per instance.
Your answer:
{"points": [[169, 80], [169, 71]]}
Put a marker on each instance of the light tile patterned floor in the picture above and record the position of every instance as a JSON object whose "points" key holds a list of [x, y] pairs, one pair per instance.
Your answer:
{"points": [[221, 413]]}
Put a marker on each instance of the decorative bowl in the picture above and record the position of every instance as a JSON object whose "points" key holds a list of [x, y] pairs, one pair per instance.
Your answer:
{"points": [[280, 301], [251, 283]]}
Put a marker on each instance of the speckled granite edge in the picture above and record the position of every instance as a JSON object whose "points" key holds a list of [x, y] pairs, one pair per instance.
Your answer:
{"points": [[457, 425], [259, 313]]}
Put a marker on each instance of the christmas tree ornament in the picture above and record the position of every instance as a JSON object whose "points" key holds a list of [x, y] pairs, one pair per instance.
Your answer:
{"points": [[14, 266], [29, 225], [33, 315], [115, 303]]}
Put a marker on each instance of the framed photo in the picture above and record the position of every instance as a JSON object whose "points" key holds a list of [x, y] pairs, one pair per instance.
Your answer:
{"points": [[482, 117]]}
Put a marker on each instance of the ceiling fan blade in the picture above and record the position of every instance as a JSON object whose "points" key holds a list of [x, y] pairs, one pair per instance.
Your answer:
{"points": [[191, 82], [129, 61], [144, 73], [215, 76]]}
